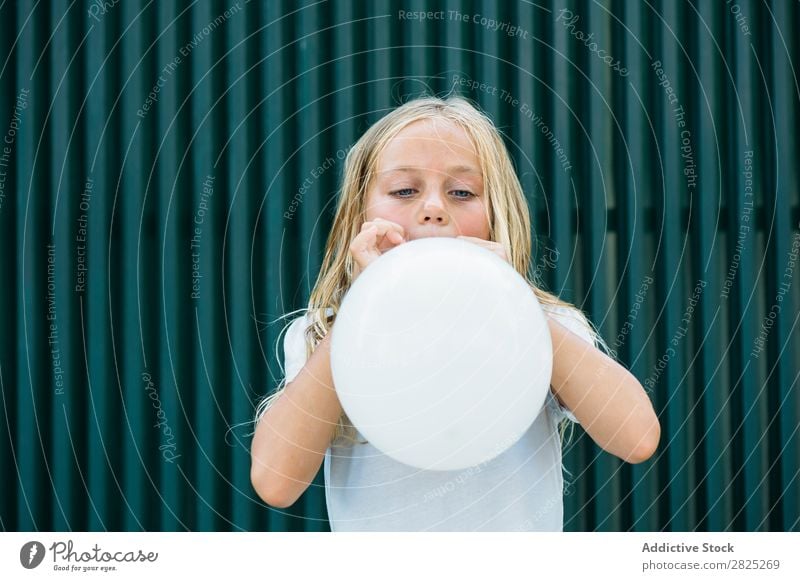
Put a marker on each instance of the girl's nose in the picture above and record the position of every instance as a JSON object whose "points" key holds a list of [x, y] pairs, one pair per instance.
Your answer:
{"points": [[435, 216], [433, 211]]}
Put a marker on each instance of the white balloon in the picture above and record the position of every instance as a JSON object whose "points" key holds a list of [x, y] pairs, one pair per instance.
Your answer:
{"points": [[441, 354]]}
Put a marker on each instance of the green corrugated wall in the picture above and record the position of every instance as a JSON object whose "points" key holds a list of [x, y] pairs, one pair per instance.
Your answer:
{"points": [[126, 379]]}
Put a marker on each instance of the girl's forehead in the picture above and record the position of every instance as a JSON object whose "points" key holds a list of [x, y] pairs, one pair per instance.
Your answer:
{"points": [[428, 141]]}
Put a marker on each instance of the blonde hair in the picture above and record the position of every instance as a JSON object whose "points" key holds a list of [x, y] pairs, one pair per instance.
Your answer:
{"points": [[509, 218]]}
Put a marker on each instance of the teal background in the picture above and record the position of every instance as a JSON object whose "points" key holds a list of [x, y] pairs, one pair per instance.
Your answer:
{"points": [[261, 100]]}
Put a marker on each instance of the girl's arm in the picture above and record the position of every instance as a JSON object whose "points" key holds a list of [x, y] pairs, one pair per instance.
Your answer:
{"points": [[292, 436], [606, 398]]}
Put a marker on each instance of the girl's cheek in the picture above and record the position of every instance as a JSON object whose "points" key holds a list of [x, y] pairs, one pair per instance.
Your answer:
{"points": [[383, 205]]}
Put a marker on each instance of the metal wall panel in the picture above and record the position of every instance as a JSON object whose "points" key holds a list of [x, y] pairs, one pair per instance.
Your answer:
{"points": [[149, 229]]}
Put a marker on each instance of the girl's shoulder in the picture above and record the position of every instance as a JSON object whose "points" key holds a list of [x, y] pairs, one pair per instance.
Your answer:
{"points": [[294, 341], [302, 321], [573, 319], [294, 344]]}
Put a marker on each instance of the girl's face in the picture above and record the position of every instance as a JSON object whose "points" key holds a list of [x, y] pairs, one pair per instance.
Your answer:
{"points": [[429, 181]]}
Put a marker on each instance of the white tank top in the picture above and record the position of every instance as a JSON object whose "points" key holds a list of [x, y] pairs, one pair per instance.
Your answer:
{"points": [[518, 490]]}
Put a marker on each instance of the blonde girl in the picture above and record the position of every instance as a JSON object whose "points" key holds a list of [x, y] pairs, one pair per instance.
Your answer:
{"points": [[436, 167]]}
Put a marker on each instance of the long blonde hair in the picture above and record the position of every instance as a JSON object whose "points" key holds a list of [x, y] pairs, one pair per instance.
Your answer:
{"points": [[509, 218]]}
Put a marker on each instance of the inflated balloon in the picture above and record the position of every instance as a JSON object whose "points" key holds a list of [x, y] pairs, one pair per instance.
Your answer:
{"points": [[441, 354]]}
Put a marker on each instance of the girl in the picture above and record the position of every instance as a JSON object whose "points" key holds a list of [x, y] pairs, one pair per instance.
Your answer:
{"points": [[436, 167]]}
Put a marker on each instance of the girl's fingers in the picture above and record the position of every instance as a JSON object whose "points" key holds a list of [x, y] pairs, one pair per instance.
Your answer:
{"points": [[387, 234], [376, 237], [495, 247], [395, 237], [366, 242], [386, 226]]}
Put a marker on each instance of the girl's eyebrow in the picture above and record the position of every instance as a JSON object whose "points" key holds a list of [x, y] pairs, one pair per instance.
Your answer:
{"points": [[451, 170]]}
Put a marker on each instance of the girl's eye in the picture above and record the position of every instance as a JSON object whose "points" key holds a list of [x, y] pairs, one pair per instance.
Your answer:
{"points": [[399, 193], [468, 194], [405, 193]]}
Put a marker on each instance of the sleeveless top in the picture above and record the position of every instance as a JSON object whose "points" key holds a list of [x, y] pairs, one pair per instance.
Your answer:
{"points": [[519, 490]]}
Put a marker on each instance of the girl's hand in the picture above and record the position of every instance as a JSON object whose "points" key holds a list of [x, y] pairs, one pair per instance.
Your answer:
{"points": [[495, 247], [376, 237]]}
